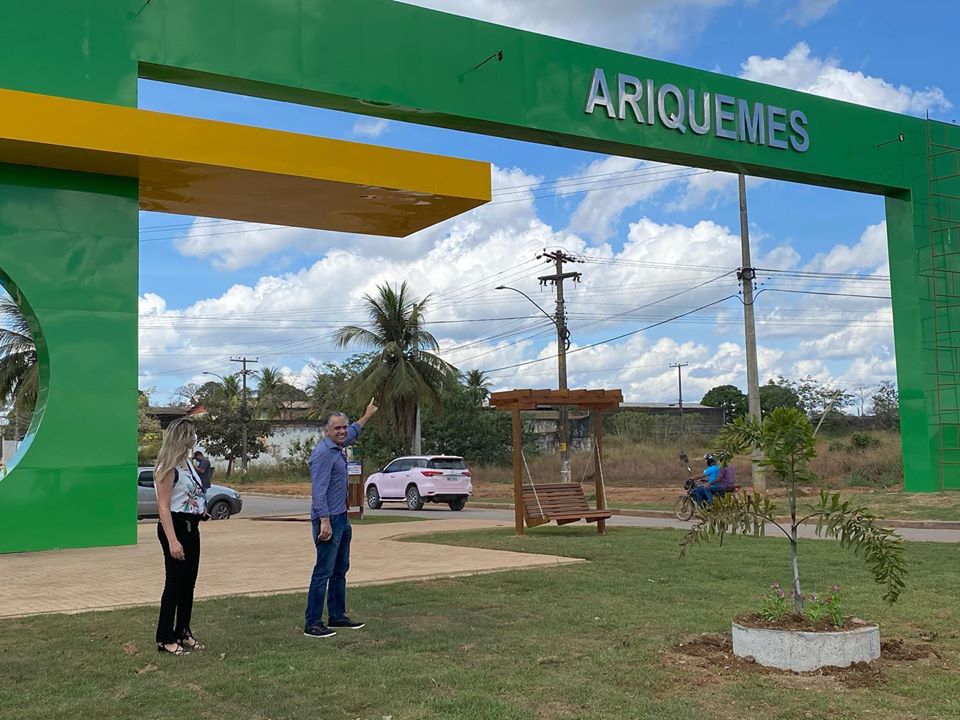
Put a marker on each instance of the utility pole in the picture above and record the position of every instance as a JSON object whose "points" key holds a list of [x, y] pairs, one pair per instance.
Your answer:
{"points": [[559, 257], [244, 417], [746, 275], [680, 400]]}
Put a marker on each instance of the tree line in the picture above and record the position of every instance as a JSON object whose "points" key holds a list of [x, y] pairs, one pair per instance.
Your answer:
{"points": [[817, 399]]}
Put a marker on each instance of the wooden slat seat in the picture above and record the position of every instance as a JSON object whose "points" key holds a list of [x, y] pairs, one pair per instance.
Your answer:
{"points": [[559, 502]]}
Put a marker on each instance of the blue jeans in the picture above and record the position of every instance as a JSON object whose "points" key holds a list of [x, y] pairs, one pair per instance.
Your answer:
{"points": [[704, 493], [329, 580]]}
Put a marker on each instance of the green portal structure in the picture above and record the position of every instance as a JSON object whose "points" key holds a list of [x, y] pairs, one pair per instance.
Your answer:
{"points": [[68, 239]]}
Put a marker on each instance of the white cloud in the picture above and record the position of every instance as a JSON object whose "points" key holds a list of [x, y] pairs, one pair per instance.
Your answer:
{"points": [[616, 184], [233, 245], [869, 336], [805, 12], [870, 253], [370, 127], [651, 26], [799, 70], [710, 190], [625, 182], [286, 319]]}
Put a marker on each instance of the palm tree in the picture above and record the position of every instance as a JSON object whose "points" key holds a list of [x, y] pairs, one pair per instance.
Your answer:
{"points": [[270, 393], [403, 372], [478, 386], [19, 372], [225, 393]]}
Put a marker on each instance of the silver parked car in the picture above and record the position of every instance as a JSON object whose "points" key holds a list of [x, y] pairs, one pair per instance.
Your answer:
{"points": [[222, 502]]}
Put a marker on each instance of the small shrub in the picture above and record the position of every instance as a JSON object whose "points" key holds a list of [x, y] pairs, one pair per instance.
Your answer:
{"points": [[298, 454], [147, 453], [863, 441], [774, 605], [826, 605]]}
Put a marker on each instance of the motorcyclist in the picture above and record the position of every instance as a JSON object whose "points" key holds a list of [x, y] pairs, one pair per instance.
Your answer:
{"points": [[713, 484]]}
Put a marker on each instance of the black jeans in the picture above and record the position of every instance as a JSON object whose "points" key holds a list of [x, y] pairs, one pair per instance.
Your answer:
{"points": [[176, 603]]}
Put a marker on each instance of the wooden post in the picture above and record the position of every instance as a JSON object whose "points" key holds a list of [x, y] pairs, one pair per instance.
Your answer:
{"points": [[517, 474], [596, 419]]}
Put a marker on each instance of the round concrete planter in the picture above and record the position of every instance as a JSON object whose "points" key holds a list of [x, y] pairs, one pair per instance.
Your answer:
{"points": [[804, 651]]}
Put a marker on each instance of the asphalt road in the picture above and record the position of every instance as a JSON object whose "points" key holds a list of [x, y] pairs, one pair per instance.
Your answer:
{"points": [[262, 505]]}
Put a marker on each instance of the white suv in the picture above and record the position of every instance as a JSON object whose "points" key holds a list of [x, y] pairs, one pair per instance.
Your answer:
{"points": [[417, 479]]}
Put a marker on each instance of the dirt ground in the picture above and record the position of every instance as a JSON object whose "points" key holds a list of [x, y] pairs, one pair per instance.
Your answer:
{"points": [[712, 654]]}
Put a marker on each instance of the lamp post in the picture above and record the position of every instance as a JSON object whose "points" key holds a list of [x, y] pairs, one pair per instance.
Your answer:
{"points": [[563, 341]]}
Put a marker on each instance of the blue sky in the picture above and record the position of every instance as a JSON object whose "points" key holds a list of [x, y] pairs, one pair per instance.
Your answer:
{"points": [[211, 289]]}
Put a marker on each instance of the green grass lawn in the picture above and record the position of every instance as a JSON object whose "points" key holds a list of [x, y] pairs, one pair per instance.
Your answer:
{"points": [[585, 641], [912, 506], [890, 504]]}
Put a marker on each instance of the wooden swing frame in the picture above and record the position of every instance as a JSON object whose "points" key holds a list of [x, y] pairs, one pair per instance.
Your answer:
{"points": [[594, 401]]}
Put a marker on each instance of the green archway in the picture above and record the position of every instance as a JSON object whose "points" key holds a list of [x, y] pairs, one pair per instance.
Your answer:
{"points": [[69, 240]]}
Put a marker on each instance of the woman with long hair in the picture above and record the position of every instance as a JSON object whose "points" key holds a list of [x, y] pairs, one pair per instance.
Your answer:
{"points": [[182, 506]]}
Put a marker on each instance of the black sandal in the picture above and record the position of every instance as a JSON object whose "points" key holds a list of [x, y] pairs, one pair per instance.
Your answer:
{"points": [[162, 647], [189, 642]]}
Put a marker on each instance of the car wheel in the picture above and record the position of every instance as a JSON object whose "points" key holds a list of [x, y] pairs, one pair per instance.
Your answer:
{"points": [[458, 504], [373, 498], [220, 510], [414, 501]]}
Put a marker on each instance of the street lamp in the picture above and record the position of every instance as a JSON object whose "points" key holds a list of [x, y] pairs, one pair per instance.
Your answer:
{"points": [[563, 342]]}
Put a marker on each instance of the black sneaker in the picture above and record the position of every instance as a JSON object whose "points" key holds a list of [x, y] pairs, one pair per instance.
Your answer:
{"points": [[346, 622], [318, 631]]}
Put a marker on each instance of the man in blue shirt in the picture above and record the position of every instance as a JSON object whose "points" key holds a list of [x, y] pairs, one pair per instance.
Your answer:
{"points": [[704, 493], [331, 528]]}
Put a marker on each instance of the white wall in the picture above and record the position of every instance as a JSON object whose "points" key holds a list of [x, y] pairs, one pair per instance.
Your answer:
{"points": [[278, 442]]}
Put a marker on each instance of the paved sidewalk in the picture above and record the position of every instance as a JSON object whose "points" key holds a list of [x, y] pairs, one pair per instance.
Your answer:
{"points": [[240, 557]]}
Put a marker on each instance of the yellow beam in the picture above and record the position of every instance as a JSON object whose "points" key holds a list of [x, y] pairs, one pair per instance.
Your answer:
{"points": [[214, 169]]}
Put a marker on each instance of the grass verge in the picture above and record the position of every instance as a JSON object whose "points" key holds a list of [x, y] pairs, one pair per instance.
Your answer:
{"points": [[595, 640]]}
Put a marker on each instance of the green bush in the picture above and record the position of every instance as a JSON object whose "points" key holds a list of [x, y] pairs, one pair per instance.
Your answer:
{"points": [[147, 453], [863, 441]]}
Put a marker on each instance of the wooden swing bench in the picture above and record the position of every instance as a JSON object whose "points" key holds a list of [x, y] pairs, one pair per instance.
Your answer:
{"points": [[562, 503], [558, 502]]}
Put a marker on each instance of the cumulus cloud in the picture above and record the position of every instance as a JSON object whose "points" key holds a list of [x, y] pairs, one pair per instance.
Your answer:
{"points": [[800, 70], [869, 336], [870, 253], [651, 276], [233, 245], [614, 185], [652, 26]]}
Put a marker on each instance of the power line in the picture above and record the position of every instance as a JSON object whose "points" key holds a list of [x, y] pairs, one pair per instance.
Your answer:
{"points": [[616, 337]]}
